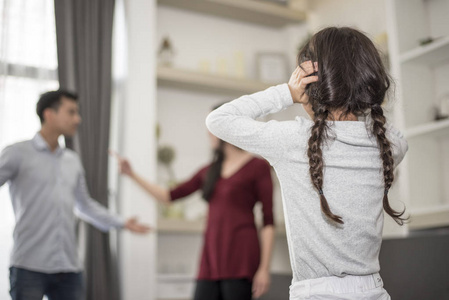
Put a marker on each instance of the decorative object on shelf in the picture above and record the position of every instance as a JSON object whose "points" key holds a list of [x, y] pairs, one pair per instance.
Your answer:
{"points": [[442, 110], [166, 53], [158, 131], [239, 65], [272, 67], [195, 208], [426, 41], [282, 2], [166, 155], [173, 211], [381, 41], [299, 5], [222, 66], [204, 66]]}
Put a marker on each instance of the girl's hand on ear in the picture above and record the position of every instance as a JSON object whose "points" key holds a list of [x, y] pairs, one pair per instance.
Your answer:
{"points": [[300, 79]]}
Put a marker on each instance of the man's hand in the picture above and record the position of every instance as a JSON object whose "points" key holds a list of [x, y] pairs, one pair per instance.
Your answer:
{"points": [[300, 79], [134, 226], [261, 283]]}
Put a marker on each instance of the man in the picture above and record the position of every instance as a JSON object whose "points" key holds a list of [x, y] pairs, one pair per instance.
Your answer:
{"points": [[47, 184]]}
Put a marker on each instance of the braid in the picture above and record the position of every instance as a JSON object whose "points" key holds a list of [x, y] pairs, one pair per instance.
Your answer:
{"points": [[315, 154], [386, 155], [214, 172]]}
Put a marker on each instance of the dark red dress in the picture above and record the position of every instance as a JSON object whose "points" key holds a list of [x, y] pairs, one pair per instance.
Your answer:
{"points": [[231, 246]]}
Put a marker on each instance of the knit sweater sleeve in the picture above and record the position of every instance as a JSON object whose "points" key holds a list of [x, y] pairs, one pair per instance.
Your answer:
{"points": [[399, 143], [235, 122]]}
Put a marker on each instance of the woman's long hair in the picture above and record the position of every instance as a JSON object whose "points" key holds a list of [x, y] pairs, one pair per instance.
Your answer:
{"points": [[352, 80], [214, 172]]}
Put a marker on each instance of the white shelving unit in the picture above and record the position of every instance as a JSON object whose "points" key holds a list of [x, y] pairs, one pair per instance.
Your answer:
{"points": [[254, 11], [436, 129], [422, 79], [181, 226], [431, 217], [206, 82], [265, 17], [431, 54]]}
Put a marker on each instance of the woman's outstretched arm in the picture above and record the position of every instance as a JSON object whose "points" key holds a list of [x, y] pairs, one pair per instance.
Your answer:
{"points": [[159, 193]]}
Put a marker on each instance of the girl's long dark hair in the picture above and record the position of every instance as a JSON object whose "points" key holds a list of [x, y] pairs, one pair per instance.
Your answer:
{"points": [[351, 80]]}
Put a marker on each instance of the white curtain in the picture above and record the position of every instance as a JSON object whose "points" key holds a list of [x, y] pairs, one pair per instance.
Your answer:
{"points": [[28, 67]]}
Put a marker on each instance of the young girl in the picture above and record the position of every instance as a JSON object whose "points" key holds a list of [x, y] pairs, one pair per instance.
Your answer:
{"points": [[335, 171], [233, 265]]}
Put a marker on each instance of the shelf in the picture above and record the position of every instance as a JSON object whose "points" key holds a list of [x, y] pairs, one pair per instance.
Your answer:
{"points": [[428, 218], [197, 226], [205, 82], [258, 12], [422, 72], [175, 286], [180, 226], [431, 54], [175, 276], [436, 128]]}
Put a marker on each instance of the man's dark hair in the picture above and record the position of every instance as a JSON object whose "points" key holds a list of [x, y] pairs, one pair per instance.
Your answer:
{"points": [[52, 100]]}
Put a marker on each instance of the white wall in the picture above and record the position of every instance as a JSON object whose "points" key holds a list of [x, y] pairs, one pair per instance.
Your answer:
{"points": [[138, 253], [197, 38], [368, 15]]}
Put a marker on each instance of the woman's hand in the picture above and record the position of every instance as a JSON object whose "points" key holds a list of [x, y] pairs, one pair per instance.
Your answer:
{"points": [[123, 164], [161, 194], [261, 282], [125, 167], [300, 79]]}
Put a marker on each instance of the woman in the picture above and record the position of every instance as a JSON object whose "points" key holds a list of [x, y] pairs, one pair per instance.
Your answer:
{"points": [[233, 264]]}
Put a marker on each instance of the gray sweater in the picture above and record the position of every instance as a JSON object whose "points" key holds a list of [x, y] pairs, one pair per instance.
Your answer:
{"points": [[353, 182]]}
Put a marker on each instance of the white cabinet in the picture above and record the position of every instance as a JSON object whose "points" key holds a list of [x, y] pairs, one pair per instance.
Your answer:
{"points": [[421, 74]]}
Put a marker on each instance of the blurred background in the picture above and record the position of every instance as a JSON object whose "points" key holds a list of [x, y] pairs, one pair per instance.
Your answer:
{"points": [[168, 62]]}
